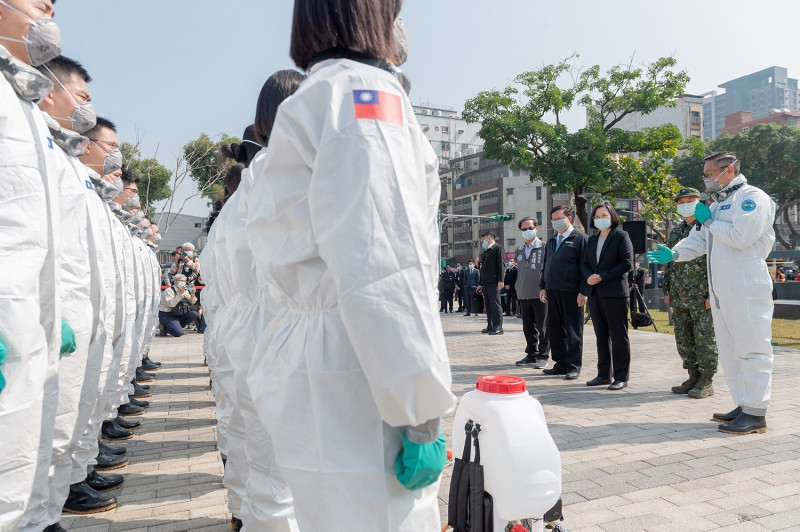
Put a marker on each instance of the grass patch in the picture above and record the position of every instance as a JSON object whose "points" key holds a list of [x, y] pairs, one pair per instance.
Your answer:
{"points": [[785, 332]]}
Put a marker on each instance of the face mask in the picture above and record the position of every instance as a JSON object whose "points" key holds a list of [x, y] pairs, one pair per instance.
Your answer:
{"points": [[560, 225], [111, 162], [529, 234], [602, 223], [83, 116], [471, 266], [105, 189], [158, 239], [686, 210], [148, 234], [69, 141], [43, 39], [712, 185], [138, 217], [29, 84], [485, 244], [132, 203], [181, 284]]}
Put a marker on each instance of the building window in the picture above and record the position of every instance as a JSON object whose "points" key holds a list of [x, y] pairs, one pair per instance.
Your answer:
{"points": [[539, 217], [510, 191], [464, 147], [539, 194], [489, 198], [445, 129], [436, 128]]}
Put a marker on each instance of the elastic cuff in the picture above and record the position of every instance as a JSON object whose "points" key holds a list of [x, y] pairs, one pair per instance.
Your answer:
{"points": [[425, 433], [760, 412]]}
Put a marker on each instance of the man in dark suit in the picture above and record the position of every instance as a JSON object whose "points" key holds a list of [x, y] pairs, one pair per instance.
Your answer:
{"points": [[492, 273], [472, 280], [562, 288], [510, 281], [460, 287], [448, 283]]}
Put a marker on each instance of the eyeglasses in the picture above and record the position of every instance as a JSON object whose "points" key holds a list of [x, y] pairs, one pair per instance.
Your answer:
{"points": [[114, 145], [134, 189]]}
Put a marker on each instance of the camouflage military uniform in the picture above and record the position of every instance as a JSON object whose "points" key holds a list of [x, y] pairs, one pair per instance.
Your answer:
{"points": [[686, 284]]}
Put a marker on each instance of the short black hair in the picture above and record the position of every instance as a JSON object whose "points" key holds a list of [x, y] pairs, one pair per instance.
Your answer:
{"points": [[491, 234], [611, 210], [129, 177], [64, 68], [564, 208], [724, 159], [101, 123], [526, 219], [277, 88], [363, 25]]}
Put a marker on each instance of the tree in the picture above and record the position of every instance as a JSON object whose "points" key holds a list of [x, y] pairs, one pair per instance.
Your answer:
{"points": [[155, 176], [206, 165], [526, 131]]}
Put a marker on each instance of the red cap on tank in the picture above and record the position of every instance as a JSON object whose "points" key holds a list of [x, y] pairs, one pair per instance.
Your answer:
{"points": [[501, 384]]}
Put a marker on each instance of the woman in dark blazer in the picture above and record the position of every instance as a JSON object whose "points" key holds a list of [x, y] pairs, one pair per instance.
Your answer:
{"points": [[607, 258]]}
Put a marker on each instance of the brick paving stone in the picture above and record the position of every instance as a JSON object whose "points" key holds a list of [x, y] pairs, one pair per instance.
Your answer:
{"points": [[642, 459]]}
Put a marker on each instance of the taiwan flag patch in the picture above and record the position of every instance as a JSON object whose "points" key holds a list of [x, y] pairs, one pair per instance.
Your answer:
{"points": [[378, 105]]}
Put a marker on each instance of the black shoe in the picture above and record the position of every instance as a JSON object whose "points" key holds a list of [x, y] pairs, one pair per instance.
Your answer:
{"points": [[149, 366], [618, 385], [147, 359], [143, 376], [555, 370], [139, 392], [142, 386], [496, 332], [118, 451], [100, 482], [540, 363], [599, 381], [745, 424], [529, 359], [110, 431], [486, 330], [137, 402], [83, 499], [236, 524], [125, 424], [467, 314], [727, 417], [55, 528], [129, 410], [572, 374], [108, 461]]}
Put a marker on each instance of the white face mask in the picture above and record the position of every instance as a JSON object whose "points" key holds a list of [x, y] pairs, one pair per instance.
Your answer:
{"points": [[43, 39], [471, 266], [83, 116], [602, 223], [560, 225], [111, 162], [686, 210], [712, 185], [529, 234]]}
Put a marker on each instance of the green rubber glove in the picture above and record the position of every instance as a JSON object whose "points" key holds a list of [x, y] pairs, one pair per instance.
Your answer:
{"points": [[420, 464], [662, 255], [67, 338], [702, 213], [3, 352]]}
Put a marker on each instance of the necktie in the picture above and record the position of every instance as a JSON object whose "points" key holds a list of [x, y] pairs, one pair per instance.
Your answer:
{"points": [[559, 240]]}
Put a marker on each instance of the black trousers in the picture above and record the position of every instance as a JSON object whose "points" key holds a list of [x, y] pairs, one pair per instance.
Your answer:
{"points": [[446, 298], [494, 309], [470, 291], [534, 314], [565, 329], [460, 298], [610, 321]]}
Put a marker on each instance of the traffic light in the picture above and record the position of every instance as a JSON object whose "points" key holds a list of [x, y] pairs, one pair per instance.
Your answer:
{"points": [[500, 217]]}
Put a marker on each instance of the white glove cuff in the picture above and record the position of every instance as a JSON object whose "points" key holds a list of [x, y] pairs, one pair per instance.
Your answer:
{"points": [[425, 433]]}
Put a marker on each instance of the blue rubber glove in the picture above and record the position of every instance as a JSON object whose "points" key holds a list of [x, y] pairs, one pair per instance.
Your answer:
{"points": [[67, 338], [3, 352], [702, 213], [662, 255], [420, 464]]}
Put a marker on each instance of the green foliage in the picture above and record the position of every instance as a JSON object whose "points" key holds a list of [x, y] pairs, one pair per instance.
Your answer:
{"points": [[155, 184], [525, 130], [206, 165]]}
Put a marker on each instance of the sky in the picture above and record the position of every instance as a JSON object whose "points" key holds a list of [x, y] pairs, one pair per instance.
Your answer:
{"points": [[166, 71]]}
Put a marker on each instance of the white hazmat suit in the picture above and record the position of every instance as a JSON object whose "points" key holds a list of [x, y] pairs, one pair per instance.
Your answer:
{"points": [[736, 243], [342, 226]]}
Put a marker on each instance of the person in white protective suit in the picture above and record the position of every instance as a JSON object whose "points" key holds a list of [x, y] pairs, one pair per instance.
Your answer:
{"points": [[351, 377], [31, 330], [736, 236], [268, 501]]}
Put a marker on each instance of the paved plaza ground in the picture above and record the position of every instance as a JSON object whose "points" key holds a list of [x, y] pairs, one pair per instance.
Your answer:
{"points": [[641, 459]]}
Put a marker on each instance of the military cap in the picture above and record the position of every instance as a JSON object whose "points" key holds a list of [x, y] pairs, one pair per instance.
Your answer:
{"points": [[687, 191]]}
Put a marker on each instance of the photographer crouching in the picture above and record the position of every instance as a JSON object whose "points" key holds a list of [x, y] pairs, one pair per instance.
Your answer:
{"points": [[177, 306]]}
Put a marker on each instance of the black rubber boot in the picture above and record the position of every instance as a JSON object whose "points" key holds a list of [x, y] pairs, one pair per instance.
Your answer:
{"points": [[112, 450], [143, 376], [83, 499], [125, 424], [112, 431], [129, 410], [142, 386], [148, 365], [727, 417], [56, 527], [108, 461], [745, 424], [139, 392], [107, 482], [138, 402], [148, 360]]}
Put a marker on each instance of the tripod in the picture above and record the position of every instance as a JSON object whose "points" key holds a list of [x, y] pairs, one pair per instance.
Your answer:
{"points": [[643, 306]]}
